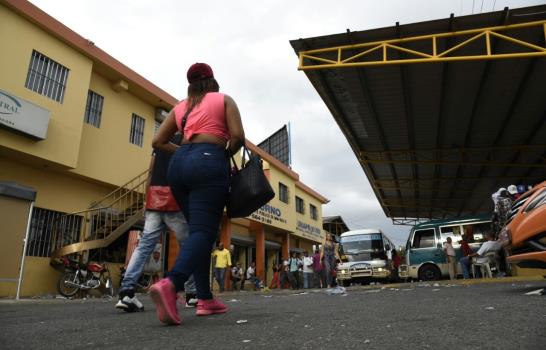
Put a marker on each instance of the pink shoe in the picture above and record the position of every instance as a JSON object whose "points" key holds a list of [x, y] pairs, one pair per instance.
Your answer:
{"points": [[164, 297], [209, 307]]}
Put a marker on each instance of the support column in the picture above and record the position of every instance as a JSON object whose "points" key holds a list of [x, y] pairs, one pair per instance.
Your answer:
{"points": [[259, 232], [285, 249], [225, 238]]}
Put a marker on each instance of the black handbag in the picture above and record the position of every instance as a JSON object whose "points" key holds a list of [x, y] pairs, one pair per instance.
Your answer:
{"points": [[249, 187]]}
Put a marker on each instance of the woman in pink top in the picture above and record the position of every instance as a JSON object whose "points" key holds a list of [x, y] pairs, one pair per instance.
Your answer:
{"points": [[199, 179]]}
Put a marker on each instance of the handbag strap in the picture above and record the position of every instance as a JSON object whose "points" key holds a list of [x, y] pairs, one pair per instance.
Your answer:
{"points": [[185, 119], [243, 158]]}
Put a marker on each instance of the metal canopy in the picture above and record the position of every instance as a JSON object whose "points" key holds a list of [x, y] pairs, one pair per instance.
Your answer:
{"points": [[436, 137]]}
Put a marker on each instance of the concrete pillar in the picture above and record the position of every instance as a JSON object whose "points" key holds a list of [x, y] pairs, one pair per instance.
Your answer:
{"points": [[259, 232], [225, 238], [285, 249]]}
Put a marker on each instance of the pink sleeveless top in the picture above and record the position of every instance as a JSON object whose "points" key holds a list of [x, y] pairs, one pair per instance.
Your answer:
{"points": [[208, 117]]}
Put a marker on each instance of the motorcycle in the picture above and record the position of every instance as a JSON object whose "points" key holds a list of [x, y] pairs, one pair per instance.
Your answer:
{"points": [[78, 276]]}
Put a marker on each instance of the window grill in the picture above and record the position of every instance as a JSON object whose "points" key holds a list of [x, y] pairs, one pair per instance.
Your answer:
{"points": [[157, 124], [136, 136], [313, 212], [300, 205], [40, 237], [46, 77], [283, 193], [93, 109]]}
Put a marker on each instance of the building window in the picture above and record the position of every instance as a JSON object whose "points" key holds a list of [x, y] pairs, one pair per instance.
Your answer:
{"points": [[313, 212], [283, 193], [93, 109], [157, 125], [300, 206], [41, 233], [137, 130], [46, 77]]}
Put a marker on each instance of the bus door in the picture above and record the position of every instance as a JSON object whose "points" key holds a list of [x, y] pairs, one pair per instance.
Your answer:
{"points": [[455, 232], [424, 248]]}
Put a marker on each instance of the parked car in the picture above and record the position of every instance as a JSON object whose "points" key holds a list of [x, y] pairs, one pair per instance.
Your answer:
{"points": [[526, 229]]}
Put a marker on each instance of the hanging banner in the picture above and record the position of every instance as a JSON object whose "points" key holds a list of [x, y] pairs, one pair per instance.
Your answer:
{"points": [[23, 116]]}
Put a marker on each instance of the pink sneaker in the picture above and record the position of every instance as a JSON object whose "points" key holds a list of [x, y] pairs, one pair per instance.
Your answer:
{"points": [[164, 297], [209, 307]]}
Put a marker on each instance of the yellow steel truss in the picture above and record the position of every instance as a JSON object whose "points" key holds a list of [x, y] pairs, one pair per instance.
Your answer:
{"points": [[365, 54]]}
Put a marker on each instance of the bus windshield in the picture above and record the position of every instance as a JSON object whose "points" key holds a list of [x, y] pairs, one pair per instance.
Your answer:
{"points": [[362, 247]]}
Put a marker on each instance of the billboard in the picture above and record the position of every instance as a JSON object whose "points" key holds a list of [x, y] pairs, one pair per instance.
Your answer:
{"points": [[278, 145]]}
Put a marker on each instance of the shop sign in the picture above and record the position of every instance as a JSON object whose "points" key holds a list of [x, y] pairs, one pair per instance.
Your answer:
{"points": [[309, 229], [268, 214], [23, 116]]}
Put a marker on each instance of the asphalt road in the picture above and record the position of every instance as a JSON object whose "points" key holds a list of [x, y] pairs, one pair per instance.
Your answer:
{"points": [[414, 316]]}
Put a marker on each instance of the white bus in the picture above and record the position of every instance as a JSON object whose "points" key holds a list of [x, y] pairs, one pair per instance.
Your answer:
{"points": [[364, 256]]}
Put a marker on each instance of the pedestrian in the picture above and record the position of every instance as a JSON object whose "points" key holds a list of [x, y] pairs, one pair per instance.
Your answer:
{"points": [[329, 263], [396, 261], [236, 275], [450, 259], [307, 270], [199, 178], [466, 259], [162, 214], [294, 271], [284, 274], [251, 276], [317, 269], [275, 281], [222, 261]]}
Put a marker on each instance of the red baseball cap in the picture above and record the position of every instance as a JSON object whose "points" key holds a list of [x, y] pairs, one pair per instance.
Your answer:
{"points": [[199, 71]]}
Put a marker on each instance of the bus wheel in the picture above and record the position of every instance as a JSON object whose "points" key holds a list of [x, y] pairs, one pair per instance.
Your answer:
{"points": [[429, 273]]}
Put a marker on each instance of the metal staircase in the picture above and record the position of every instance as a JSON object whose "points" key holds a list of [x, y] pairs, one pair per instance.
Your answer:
{"points": [[103, 222]]}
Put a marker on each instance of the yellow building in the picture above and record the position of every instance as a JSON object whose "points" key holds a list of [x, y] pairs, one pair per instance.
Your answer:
{"points": [[76, 129]]}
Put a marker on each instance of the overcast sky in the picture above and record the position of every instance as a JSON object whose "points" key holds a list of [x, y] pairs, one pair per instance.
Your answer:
{"points": [[246, 43]]}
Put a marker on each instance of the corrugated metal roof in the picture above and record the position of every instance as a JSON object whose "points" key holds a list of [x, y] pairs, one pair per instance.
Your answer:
{"points": [[446, 134]]}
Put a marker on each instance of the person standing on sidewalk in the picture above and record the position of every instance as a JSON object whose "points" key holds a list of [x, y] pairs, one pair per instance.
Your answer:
{"points": [[199, 179], [222, 261], [317, 269], [450, 259], [307, 270], [162, 213], [293, 264], [329, 262]]}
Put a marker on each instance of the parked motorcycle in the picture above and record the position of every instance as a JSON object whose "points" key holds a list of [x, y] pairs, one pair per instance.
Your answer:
{"points": [[78, 276]]}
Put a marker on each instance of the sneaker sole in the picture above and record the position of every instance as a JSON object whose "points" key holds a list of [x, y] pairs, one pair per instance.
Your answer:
{"points": [[161, 308], [210, 312]]}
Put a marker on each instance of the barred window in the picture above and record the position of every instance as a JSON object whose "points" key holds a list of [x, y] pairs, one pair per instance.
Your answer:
{"points": [[313, 212], [46, 77], [157, 124], [93, 109], [283, 193], [40, 236], [300, 205], [136, 136]]}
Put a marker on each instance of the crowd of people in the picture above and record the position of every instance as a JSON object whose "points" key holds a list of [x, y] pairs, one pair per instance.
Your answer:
{"points": [[495, 239]]}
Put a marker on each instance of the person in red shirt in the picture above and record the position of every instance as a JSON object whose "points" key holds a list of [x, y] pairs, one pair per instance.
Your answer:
{"points": [[396, 261], [465, 249]]}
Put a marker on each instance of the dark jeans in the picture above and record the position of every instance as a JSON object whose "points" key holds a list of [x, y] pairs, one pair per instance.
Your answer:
{"points": [[219, 274], [198, 176]]}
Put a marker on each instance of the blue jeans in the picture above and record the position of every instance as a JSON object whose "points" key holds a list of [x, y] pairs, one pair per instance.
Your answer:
{"points": [[155, 224], [199, 179], [219, 274], [307, 278], [465, 265]]}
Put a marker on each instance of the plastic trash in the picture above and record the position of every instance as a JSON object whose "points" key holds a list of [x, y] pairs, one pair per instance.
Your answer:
{"points": [[241, 321], [247, 341], [536, 292], [490, 308], [435, 290], [336, 290], [233, 301]]}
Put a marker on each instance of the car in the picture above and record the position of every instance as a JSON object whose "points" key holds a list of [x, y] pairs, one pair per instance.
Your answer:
{"points": [[526, 229]]}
